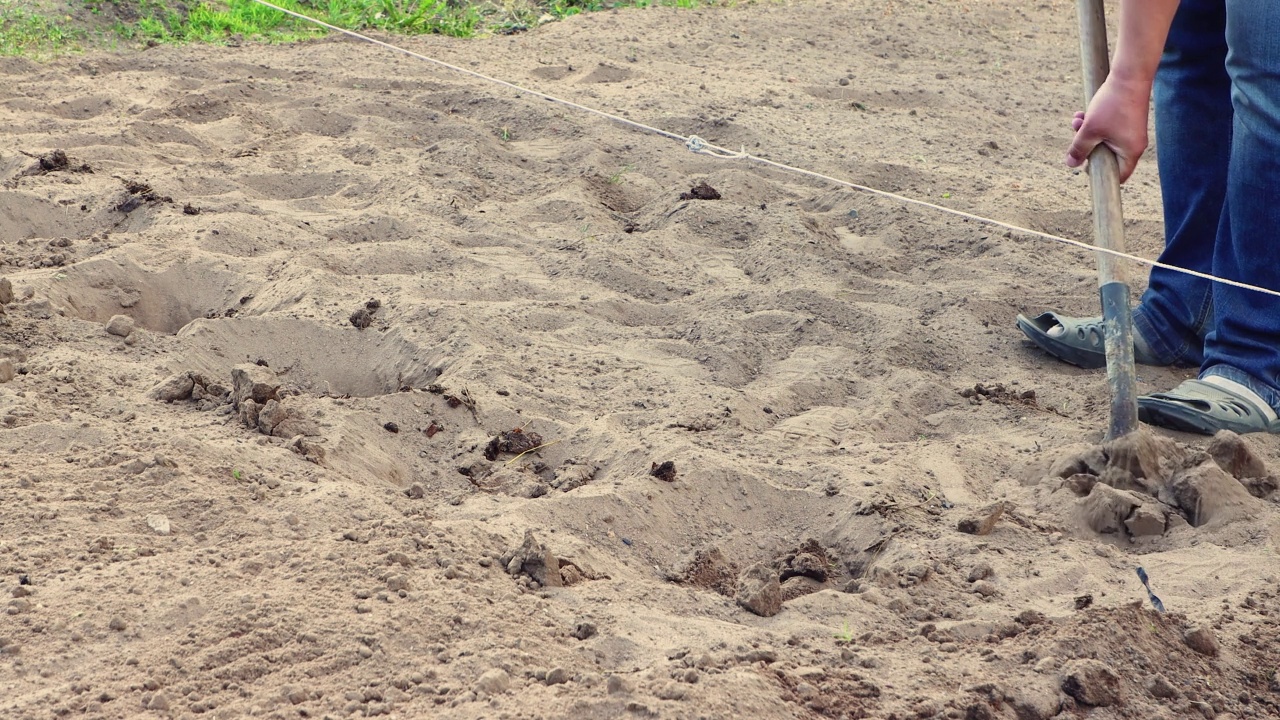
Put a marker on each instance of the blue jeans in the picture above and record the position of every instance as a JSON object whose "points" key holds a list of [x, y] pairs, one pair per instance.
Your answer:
{"points": [[1217, 113]]}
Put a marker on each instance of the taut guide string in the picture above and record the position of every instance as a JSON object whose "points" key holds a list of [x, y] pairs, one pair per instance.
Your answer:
{"points": [[702, 147]]}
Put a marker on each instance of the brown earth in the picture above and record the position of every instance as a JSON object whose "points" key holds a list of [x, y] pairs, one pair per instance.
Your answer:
{"points": [[409, 269]]}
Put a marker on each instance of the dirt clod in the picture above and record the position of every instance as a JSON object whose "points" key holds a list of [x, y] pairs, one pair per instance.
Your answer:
{"points": [[984, 523], [709, 569], [1233, 454], [1161, 688], [1202, 640], [362, 318], [759, 590], [532, 558], [701, 191], [665, 471], [174, 388], [1091, 682]]}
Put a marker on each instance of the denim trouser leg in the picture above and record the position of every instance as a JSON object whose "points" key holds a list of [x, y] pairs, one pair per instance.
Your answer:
{"points": [[1244, 344], [1193, 141]]}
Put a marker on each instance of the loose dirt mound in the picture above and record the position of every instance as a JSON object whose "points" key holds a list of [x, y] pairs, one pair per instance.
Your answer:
{"points": [[343, 386]]}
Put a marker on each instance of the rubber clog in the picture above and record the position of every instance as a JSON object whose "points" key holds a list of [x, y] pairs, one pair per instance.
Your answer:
{"points": [[1196, 406], [1078, 341]]}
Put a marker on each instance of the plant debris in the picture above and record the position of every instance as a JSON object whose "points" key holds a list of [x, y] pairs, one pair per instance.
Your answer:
{"points": [[461, 399], [998, 393], [515, 442]]}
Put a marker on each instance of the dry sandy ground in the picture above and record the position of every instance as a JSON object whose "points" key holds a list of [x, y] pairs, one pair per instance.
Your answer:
{"points": [[339, 544]]}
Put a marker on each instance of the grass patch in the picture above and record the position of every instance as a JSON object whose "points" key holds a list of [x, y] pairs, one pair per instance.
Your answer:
{"points": [[44, 28], [214, 21], [25, 32]]}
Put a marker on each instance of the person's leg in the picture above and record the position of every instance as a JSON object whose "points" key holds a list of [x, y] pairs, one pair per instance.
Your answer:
{"points": [[1193, 121], [1244, 344], [1239, 385], [1193, 142]]}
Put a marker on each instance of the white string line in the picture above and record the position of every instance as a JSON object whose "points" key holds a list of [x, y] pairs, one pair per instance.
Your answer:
{"points": [[702, 147]]}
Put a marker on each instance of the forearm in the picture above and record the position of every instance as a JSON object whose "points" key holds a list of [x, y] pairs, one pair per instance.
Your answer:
{"points": [[1144, 27]]}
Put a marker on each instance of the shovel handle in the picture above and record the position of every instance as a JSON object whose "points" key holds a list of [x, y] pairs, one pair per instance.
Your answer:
{"points": [[1108, 228]]}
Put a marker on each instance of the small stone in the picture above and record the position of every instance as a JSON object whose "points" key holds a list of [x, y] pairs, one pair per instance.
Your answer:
{"points": [[1030, 617], [159, 702], [364, 608], [7, 372], [158, 523], [415, 492], [806, 692], [396, 583], [981, 571], [1160, 687], [557, 676], [1233, 454], [812, 673], [759, 591], [174, 388], [1047, 664], [6, 291], [493, 682], [117, 624], [985, 588], [1201, 640], [1035, 700], [616, 685], [120, 325], [1091, 682], [672, 691], [584, 630]]}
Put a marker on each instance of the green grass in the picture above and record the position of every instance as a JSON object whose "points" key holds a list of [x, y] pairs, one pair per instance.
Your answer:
{"points": [[24, 31]]}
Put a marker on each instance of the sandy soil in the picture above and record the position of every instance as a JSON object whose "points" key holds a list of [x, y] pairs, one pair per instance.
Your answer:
{"points": [[354, 288]]}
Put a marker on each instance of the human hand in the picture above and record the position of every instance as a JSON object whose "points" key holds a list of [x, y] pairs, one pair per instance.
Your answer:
{"points": [[1117, 118]]}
